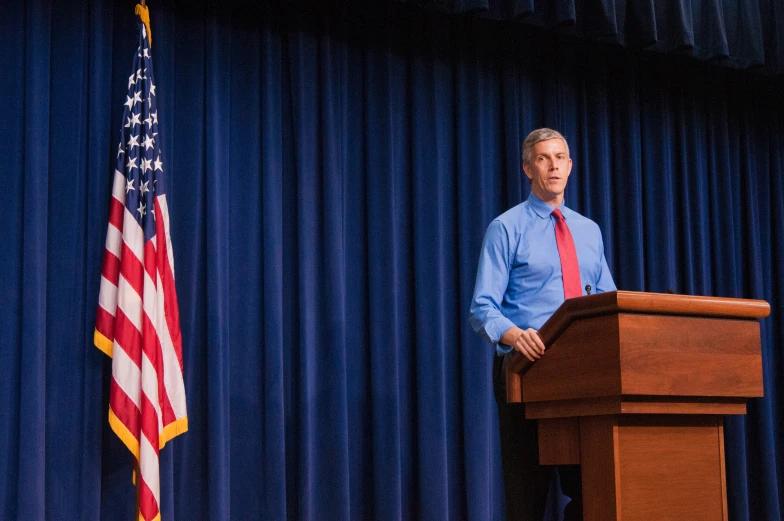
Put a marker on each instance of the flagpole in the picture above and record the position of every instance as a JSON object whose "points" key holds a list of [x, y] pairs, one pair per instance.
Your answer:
{"points": [[138, 482]]}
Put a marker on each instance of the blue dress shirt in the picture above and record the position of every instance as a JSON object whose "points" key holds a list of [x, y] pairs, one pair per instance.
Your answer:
{"points": [[519, 278]]}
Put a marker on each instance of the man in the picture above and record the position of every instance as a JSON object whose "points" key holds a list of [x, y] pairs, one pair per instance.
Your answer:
{"points": [[534, 256]]}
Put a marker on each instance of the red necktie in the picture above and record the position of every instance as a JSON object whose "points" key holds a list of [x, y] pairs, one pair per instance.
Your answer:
{"points": [[570, 269]]}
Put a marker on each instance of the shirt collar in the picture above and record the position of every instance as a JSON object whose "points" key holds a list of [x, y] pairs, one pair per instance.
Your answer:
{"points": [[544, 209]]}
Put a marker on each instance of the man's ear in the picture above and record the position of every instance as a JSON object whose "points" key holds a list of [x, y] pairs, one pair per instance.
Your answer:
{"points": [[527, 173]]}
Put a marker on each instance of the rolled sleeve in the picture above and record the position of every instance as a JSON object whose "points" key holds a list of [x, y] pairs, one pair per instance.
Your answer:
{"points": [[492, 278], [605, 280]]}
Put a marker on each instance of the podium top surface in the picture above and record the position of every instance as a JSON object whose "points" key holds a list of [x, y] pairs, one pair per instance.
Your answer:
{"points": [[615, 302]]}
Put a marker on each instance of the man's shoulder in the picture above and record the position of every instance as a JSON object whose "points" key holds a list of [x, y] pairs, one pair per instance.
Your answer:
{"points": [[576, 218], [513, 217]]}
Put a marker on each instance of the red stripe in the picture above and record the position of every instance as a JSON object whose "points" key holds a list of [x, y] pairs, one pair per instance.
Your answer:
{"points": [[116, 213], [111, 267], [154, 352], [104, 323], [150, 262], [131, 269], [170, 307], [148, 507], [125, 410], [149, 422], [128, 337]]}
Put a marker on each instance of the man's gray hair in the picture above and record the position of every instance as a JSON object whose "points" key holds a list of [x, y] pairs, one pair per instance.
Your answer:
{"points": [[540, 134]]}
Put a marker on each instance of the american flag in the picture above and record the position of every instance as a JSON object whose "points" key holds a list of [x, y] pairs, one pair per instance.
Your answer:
{"points": [[138, 319]]}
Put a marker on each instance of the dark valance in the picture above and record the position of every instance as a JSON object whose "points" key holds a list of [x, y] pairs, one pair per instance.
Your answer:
{"points": [[740, 34]]}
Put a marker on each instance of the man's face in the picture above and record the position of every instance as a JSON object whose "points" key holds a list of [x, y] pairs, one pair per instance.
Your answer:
{"points": [[549, 170]]}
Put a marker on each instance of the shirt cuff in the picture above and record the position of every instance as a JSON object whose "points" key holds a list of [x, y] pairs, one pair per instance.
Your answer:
{"points": [[496, 328]]}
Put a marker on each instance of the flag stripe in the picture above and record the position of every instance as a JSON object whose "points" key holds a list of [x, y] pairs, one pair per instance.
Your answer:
{"points": [[111, 268], [125, 410], [107, 300], [149, 423], [155, 355], [116, 213], [133, 235], [148, 507], [132, 269], [127, 376], [104, 323], [114, 240], [170, 307], [130, 303]]}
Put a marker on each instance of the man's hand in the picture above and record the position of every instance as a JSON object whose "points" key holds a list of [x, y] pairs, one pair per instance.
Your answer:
{"points": [[526, 341]]}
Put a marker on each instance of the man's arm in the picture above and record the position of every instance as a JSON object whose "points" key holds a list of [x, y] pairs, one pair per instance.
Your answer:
{"points": [[492, 279], [604, 282]]}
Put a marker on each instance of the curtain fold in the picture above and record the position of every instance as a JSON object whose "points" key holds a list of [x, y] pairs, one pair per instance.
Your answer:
{"points": [[332, 176], [734, 34]]}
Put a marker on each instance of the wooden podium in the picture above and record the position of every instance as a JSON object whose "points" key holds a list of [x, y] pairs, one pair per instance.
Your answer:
{"points": [[633, 387]]}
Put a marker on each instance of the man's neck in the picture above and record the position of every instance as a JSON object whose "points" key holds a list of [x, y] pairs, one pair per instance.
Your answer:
{"points": [[551, 199]]}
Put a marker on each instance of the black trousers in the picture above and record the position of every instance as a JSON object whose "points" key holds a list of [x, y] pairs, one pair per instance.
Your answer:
{"points": [[526, 483]]}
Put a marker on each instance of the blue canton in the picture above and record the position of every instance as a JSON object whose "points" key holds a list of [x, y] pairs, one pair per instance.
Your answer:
{"points": [[139, 151]]}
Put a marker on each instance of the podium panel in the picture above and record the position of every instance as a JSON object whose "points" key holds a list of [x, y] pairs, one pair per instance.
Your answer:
{"points": [[667, 469]]}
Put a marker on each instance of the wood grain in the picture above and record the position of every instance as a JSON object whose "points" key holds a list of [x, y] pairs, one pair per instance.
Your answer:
{"points": [[634, 405], [601, 478], [583, 362], [559, 441], [670, 468], [689, 356], [615, 302]]}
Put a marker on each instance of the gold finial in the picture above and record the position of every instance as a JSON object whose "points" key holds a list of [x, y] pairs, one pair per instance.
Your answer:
{"points": [[144, 14]]}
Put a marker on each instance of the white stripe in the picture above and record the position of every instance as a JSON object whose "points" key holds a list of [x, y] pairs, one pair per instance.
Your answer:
{"points": [[114, 241], [133, 235], [126, 374], [107, 298], [148, 467], [149, 373], [165, 212], [130, 303], [118, 186], [150, 386], [172, 373], [149, 299]]}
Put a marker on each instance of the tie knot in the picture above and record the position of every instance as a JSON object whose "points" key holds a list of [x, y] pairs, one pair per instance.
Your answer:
{"points": [[557, 214]]}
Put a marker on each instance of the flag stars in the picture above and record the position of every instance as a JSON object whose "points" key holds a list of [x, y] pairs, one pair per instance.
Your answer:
{"points": [[152, 89], [143, 187], [128, 102], [158, 164], [137, 98], [132, 163], [131, 81], [133, 141], [129, 186], [142, 209], [154, 116], [133, 120], [120, 150], [148, 142], [146, 165], [148, 121], [146, 53]]}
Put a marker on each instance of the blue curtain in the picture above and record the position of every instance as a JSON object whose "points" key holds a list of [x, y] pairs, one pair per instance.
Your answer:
{"points": [[747, 34], [331, 175]]}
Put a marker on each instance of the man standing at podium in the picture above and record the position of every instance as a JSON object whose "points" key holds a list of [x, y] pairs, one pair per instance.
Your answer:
{"points": [[534, 256]]}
